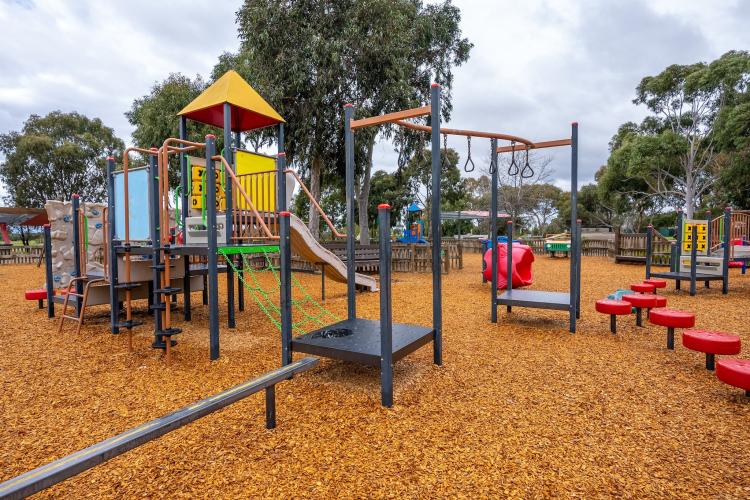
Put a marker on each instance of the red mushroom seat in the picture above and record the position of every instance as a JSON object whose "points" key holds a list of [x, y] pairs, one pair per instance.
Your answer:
{"points": [[640, 301], [38, 294], [711, 343], [614, 308], [643, 287], [657, 282], [672, 318], [735, 372]]}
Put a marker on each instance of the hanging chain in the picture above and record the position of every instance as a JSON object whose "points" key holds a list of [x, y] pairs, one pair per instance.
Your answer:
{"points": [[493, 160], [527, 171], [469, 161], [513, 168]]}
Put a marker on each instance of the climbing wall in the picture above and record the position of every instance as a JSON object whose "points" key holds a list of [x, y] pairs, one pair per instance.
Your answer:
{"points": [[60, 214]]}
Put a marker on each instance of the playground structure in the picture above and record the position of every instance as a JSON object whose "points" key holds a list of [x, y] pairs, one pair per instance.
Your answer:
{"points": [[137, 247], [735, 372], [569, 301], [557, 244], [522, 259], [414, 228], [704, 249]]}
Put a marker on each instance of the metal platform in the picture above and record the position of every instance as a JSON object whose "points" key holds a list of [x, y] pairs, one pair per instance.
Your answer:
{"points": [[535, 298], [669, 275], [363, 344]]}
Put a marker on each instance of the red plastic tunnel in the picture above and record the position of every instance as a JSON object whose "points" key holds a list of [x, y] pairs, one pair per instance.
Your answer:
{"points": [[523, 257]]}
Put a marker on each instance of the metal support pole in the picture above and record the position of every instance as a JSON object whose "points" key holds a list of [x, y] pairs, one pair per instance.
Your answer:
{"points": [[77, 271], [710, 361], [493, 232], [228, 209], [240, 285], [675, 263], [437, 277], [49, 282], [350, 263], [114, 294], [693, 260], [185, 184], [649, 243], [271, 407], [579, 252], [213, 273], [323, 282], [708, 232], [155, 298], [573, 220], [727, 248], [386, 313], [670, 338], [613, 323], [285, 288], [509, 264]]}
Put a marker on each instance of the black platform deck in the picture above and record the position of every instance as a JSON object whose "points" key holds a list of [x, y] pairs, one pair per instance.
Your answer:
{"points": [[669, 275], [363, 345], [535, 298], [139, 249]]}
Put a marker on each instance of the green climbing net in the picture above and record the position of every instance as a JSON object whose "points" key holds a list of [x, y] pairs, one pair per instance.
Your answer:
{"points": [[260, 259]]}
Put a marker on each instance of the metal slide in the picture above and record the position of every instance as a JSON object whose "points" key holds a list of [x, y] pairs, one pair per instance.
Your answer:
{"points": [[307, 247]]}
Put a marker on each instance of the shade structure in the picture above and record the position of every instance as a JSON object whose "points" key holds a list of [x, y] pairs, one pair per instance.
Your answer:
{"points": [[249, 110]]}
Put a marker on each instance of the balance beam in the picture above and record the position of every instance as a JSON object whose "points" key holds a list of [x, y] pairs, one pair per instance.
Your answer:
{"points": [[45, 476]]}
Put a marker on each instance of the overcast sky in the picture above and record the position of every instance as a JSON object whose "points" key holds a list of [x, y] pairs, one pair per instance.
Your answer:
{"points": [[536, 65]]}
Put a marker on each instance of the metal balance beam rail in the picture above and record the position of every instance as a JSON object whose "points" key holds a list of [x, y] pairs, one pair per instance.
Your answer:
{"points": [[54, 472]]}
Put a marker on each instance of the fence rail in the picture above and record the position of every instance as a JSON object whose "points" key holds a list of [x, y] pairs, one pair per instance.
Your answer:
{"points": [[21, 255]]}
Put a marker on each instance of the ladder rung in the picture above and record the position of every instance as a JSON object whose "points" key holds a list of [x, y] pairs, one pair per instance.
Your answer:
{"points": [[74, 318]]}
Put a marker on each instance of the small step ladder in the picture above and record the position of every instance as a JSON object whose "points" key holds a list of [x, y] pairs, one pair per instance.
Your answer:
{"points": [[82, 299]]}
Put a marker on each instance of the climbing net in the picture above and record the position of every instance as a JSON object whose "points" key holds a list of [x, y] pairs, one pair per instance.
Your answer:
{"points": [[259, 260]]}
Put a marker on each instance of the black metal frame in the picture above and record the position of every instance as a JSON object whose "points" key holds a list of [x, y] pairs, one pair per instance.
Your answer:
{"points": [[571, 301], [692, 277]]}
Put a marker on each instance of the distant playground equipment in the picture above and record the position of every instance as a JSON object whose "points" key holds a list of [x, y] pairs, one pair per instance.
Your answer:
{"points": [[414, 229], [522, 259], [555, 244], [704, 249]]}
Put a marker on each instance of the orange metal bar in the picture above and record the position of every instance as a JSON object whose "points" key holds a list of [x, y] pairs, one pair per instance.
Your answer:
{"points": [[315, 204], [466, 133], [390, 117], [536, 145]]}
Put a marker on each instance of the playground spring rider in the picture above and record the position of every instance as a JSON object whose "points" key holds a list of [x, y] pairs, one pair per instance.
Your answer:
{"points": [[414, 229]]}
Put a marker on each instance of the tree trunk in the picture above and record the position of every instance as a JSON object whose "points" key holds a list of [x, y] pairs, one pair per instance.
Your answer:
{"points": [[363, 197], [314, 224]]}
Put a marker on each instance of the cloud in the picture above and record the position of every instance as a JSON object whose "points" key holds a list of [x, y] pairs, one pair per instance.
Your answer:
{"points": [[536, 65]]}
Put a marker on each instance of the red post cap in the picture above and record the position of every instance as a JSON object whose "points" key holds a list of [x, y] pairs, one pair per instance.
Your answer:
{"points": [[75, 195], [435, 85], [46, 225], [284, 214], [348, 105], [210, 136], [384, 206], [509, 222], [152, 148], [110, 158], [578, 221], [281, 155], [728, 209]]}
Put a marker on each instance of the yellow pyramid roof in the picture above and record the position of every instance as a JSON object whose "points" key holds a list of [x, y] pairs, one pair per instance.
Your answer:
{"points": [[249, 110]]}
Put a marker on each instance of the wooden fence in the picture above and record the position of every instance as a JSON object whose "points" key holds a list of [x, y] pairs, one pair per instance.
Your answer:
{"points": [[20, 255], [632, 248]]}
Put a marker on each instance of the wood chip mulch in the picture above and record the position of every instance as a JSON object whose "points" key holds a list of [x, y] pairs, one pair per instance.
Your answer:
{"points": [[520, 408]]}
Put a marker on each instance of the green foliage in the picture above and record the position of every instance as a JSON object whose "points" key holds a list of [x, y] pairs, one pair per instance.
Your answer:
{"points": [[388, 188], [309, 58], [55, 156], [155, 119]]}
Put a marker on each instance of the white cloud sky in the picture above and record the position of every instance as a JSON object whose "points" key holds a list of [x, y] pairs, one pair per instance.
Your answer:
{"points": [[536, 66]]}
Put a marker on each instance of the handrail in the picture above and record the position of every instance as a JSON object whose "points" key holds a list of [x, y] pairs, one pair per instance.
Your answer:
{"points": [[242, 191], [315, 203]]}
